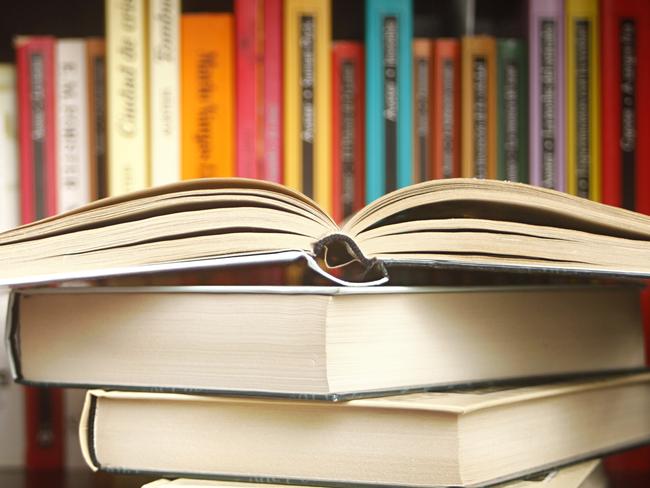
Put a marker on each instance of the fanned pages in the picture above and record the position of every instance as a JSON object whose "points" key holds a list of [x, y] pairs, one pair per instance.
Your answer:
{"points": [[446, 223]]}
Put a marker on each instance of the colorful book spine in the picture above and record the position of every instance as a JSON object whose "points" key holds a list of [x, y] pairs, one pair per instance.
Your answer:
{"points": [[422, 108], [71, 97], [37, 149], [9, 194], [164, 90], [547, 135], [348, 180], [583, 99], [479, 111], [249, 33], [273, 101], [36, 109], [127, 123], [446, 115], [208, 88], [512, 110], [625, 102], [389, 135], [307, 99], [96, 64]]}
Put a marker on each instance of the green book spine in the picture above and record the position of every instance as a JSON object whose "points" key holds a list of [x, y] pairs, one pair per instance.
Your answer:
{"points": [[512, 110]]}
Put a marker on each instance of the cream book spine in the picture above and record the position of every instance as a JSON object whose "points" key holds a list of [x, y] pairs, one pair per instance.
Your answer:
{"points": [[12, 408], [127, 124], [73, 165], [164, 90], [9, 196]]}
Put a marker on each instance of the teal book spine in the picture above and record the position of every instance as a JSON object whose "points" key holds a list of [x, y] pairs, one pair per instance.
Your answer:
{"points": [[512, 110], [389, 33]]}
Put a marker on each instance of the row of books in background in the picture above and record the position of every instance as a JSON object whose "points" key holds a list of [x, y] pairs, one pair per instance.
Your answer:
{"points": [[264, 92]]}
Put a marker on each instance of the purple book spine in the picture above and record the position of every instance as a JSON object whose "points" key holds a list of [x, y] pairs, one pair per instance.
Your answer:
{"points": [[547, 91]]}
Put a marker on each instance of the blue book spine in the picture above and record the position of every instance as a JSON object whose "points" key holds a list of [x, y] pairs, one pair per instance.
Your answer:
{"points": [[389, 33]]}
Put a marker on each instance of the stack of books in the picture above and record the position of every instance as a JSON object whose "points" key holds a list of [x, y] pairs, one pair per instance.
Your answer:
{"points": [[524, 374]]}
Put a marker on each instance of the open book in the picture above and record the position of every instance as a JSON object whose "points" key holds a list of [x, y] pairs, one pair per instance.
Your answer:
{"points": [[457, 223]]}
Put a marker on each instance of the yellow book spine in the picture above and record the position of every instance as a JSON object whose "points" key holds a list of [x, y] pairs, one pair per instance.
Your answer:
{"points": [[127, 125], [307, 99], [583, 99], [207, 94], [479, 107]]}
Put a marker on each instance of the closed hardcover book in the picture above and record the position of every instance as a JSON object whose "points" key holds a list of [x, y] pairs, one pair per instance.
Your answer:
{"points": [[422, 109], [127, 101], [625, 98], [583, 99], [389, 135], [348, 159], [273, 97], [164, 90], [36, 73], [71, 96], [9, 193], [445, 122], [307, 99], [60, 336], [208, 88], [479, 108], [512, 110], [12, 409], [547, 93], [589, 474], [466, 438], [96, 64]]}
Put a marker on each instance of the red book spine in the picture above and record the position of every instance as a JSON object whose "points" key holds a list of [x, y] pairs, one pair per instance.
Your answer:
{"points": [[445, 114], [347, 128], [625, 42], [249, 64], [272, 167], [625, 77], [35, 68]]}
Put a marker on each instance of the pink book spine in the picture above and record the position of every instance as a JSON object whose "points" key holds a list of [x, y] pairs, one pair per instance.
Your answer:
{"points": [[272, 165], [546, 78], [247, 31]]}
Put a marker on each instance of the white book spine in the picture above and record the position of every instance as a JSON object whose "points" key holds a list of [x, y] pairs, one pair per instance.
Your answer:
{"points": [[73, 172], [9, 193], [164, 86]]}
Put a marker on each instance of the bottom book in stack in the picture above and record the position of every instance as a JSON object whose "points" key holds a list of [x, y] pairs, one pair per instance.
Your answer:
{"points": [[589, 474], [461, 438]]}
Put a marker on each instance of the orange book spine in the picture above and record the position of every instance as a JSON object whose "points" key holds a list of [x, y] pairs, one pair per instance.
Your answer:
{"points": [[207, 94], [445, 113], [422, 106], [479, 110], [96, 65]]}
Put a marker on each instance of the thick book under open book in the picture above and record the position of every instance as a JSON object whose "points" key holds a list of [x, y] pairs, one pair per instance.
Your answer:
{"points": [[470, 438], [319, 342], [464, 223]]}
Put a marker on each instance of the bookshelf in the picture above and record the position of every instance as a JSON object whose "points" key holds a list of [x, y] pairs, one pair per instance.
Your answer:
{"points": [[85, 18]]}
